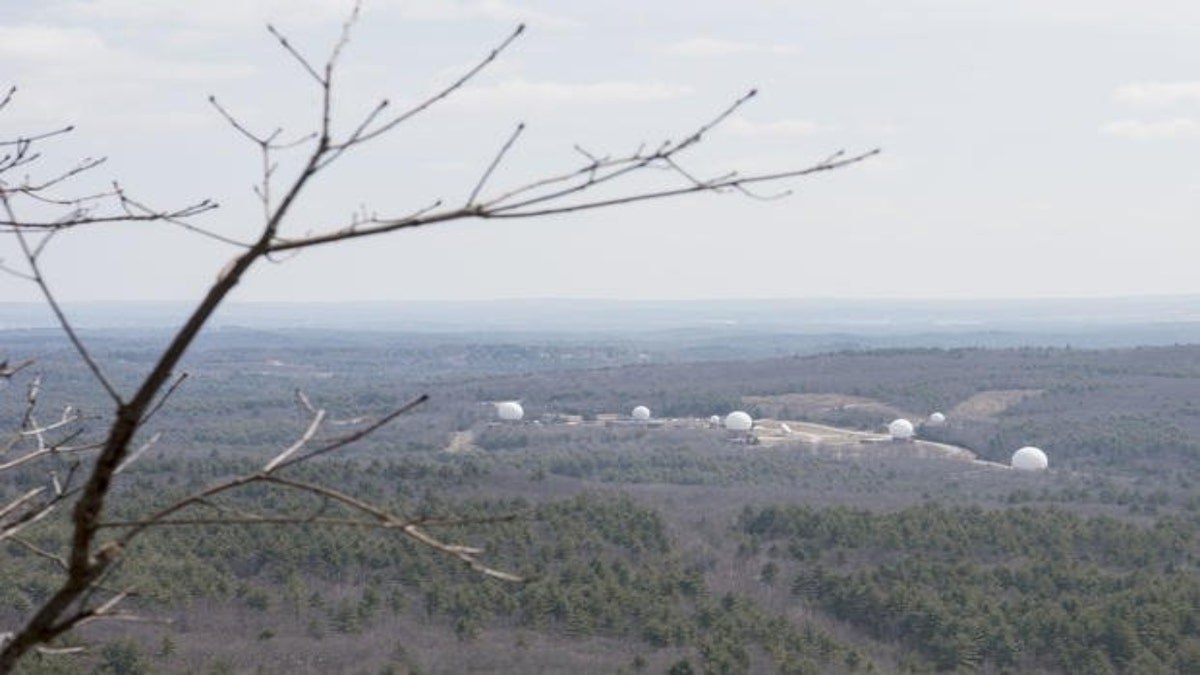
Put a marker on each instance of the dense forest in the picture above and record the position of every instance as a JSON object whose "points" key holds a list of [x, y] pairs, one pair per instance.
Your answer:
{"points": [[662, 547]]}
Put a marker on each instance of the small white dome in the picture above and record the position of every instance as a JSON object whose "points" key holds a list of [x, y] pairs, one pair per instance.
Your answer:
{"points": [[510, 411], [640, 413], [937, 419], [738, 421], [715, 420], [1030, 458], [901, 429]]}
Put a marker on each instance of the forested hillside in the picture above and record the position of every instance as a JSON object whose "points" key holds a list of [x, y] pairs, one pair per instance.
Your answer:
{"points": [[660, 547]]}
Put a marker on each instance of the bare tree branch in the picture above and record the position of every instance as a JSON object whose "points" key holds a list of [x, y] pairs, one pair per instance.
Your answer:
{"points": [[466, 554], [87, 559], [311, 520], [513, 210], [348, 439]]}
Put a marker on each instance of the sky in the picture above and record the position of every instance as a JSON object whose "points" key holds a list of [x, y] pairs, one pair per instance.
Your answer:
{"points": [[1030, 148]]}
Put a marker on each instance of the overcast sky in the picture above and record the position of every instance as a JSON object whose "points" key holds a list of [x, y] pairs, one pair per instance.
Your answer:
{"points": [[1031, 148]]}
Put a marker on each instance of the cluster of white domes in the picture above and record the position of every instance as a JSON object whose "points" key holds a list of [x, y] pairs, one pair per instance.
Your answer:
{"points": [[1028, 458]]}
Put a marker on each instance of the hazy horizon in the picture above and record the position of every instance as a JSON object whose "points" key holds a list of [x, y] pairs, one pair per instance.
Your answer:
{"points": [[1140, 320]]}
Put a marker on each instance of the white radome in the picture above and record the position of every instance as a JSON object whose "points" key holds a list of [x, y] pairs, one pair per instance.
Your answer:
{"points": [[640, 413], [510, 411], [715, 420], [901, 429], [937, 419], [738, 421], [1030, 458]]}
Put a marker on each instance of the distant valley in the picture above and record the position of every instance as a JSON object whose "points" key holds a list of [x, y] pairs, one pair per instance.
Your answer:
{"points": [[813, 543]]}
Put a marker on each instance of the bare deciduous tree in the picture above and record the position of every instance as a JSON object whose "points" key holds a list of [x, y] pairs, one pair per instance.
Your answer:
{"points": [[36, 211]]}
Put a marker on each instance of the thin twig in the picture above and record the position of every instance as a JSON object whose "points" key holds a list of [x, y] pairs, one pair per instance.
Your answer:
{"points": [[29, 140], [344, 37], [313, 426], [441, 94], [162, 400], [133, 456], [63, 321], [287, 46], [495, 162], [41, 552], [24, 459], [8, 96], [233, 121], [7, 370], [19, 501]]}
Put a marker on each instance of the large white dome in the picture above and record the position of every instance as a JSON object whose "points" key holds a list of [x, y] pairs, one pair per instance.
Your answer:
{"points": [[640, 413], [738, 421], [901, 429], [510, 411], [1030, 458]]}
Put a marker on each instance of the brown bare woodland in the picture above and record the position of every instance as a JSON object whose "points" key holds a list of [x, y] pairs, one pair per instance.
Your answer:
{"points": [[80, 496]]}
